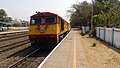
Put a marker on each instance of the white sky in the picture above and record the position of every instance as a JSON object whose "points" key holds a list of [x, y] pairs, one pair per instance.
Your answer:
{"points": [[23, 9]]}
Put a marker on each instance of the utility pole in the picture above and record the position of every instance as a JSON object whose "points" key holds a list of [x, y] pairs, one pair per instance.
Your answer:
{"points": [[92, 15]]}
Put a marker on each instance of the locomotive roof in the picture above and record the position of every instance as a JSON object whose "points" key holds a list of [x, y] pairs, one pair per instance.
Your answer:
{"points": [[46, 14]]}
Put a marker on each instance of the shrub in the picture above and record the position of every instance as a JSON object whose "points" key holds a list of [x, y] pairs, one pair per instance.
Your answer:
{"points": [[94, 44]]}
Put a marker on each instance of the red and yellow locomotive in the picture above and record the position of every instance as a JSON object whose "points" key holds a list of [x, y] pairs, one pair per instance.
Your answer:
{"points": [[47, 28]]}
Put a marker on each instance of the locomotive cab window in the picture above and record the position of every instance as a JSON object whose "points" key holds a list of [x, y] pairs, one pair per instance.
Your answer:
{"points": [[46, 20], [50, 20], [36, 20]]}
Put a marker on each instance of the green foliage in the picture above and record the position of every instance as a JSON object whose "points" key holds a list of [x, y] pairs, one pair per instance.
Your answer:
{"points": [[106, 13], [80, 14], [2, 13], [94, 44], [4, 17], [114, 16], [0, 24], [7, 19], [16, 25]]}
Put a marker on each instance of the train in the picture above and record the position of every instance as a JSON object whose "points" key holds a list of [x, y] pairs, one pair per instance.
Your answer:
{"points": [[46, 29]]}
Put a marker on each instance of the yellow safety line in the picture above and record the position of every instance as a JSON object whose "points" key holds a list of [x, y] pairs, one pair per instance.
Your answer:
{"points": [[74, 59]]}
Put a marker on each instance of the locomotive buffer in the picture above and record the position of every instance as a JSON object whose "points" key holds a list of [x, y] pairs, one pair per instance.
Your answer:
{"points": [[68, 54]]}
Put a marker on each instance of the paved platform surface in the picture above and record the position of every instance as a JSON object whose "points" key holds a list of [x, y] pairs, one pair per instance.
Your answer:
{"points": [[69, 54]]}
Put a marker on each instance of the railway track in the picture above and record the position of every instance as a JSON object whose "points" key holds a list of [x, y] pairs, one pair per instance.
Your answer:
{"points": [[22, 60], [20, 55], [7, 52], [15, 50], [32, 60], [12, 37], [13, 45], [16, 56], [12, 34], [12, 41]]}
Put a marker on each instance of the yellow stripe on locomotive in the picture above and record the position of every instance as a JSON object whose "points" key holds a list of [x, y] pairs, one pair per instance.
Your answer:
{"points": [[44, 29]]}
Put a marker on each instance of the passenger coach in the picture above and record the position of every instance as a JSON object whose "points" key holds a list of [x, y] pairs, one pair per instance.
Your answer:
{"points": [[47, 28]]}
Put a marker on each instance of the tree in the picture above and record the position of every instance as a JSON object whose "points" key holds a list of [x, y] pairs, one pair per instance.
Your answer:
{"points": [[107, 12], [80, 14], [7, 19], [16, 25], [114, 16], [3, 14]]}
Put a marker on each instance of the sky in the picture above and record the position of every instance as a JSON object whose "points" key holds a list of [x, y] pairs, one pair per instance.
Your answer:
{"points": [[23, 9]]}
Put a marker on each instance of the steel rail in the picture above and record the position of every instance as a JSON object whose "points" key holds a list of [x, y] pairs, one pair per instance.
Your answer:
{"points": [[13, 37], [9, 48], [20, 61]]}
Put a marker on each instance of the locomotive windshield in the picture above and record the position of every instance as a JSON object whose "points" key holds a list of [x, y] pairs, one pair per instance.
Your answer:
{"points": [[36, 20], [50, 20], [46, 20]]}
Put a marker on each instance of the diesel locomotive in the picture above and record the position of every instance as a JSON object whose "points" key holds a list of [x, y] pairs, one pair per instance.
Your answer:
{"points": [[47, 29]]}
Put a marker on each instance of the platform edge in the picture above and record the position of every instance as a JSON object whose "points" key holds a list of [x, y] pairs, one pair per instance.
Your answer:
{"points": [[52, 52]]}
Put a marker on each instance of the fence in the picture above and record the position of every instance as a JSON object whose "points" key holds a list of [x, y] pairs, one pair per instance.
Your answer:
{"points": [[109, 35], [85, 29]]}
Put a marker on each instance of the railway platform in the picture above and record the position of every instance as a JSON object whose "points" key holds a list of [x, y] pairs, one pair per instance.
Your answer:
{"points": [[68, 53], [9, 32]]}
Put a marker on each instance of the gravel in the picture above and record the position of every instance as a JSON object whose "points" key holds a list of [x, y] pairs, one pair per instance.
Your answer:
{"points": [[102, 55]]}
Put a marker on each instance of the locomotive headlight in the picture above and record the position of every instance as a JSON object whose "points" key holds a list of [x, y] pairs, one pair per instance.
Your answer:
{"points": [[42, 30]]}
